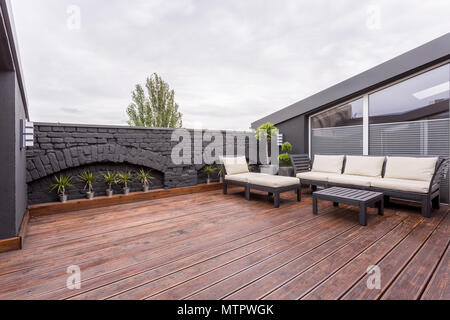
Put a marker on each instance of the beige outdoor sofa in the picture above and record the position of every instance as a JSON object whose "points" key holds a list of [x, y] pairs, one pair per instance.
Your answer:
{"points": [[235, 171], [411, 178]]}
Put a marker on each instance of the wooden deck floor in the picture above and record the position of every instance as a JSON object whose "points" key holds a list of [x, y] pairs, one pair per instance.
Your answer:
{"points": [[211, 246]]}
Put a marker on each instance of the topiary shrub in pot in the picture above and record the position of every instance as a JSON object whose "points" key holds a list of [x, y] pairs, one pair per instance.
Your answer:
{"points": [[285, 160]]}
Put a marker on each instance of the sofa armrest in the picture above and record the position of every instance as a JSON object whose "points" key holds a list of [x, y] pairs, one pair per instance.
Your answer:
{"points": [[441, 171], [300, 163]]}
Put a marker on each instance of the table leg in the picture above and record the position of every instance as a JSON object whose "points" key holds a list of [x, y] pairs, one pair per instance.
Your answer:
{"points": [[299, 193], [314, 205], [247, 192], [363, 215], [336, 204], [381, 207]]}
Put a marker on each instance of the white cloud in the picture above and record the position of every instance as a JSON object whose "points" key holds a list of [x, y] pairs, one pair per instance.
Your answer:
{"points": [[230, 62]]}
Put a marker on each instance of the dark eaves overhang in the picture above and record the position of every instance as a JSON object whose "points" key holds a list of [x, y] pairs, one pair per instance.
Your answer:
{"points": [[422, 57], [9, 50]]}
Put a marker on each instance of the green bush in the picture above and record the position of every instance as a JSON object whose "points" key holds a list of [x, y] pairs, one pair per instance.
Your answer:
{"points": [[284, 158], [286, 147]]}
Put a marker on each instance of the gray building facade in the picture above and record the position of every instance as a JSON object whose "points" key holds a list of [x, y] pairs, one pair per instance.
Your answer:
{"points": [[400, 107], [13, 103]]}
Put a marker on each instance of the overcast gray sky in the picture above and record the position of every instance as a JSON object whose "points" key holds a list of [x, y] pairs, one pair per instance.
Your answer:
{"points": [[229, 62]]}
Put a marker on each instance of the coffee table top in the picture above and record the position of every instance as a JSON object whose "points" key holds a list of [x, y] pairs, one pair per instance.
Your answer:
{"points": [[350, 194]]}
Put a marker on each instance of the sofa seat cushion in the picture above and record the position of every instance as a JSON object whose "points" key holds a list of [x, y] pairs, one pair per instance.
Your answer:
{"points": [[235, 165], [347, 179], [401, 185], [241, 177], [411, 168], [268, 180], [316, 176], [364, 166], [325, 163]]}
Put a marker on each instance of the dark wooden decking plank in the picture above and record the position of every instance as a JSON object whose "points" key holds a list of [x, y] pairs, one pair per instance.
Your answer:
{"points": [[136, 255], [346, 277], [277, 278], [183, 249], [413, 280], [140, 286], [206, 245], [439, 286], [393, 263], [187, 286]]}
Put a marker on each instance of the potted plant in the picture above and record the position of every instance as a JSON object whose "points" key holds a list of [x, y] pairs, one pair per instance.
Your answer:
{"points": [[87, 178], [61, 184], [109, 178], [143, 177], [208, 170], [264, 133], [124, 178], [220, 172], [285, 160]]}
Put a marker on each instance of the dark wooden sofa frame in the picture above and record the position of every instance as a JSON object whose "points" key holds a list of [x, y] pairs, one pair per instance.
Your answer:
{"points": [[275, 192], [431, 197]]}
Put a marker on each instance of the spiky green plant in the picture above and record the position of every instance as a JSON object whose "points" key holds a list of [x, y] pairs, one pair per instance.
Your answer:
{"points": [[208, 170], [109, 178], [87, 177], [61, 184], [124, 178], [144, 176]]}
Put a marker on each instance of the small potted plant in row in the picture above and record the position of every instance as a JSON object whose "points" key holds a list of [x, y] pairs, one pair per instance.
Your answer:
{"points": [[124, 178], [144, 177], [109, 178], [208, 170], [87, 178], [61, 184]]}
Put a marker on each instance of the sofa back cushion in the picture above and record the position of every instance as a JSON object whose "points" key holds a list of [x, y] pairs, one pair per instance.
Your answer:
{"points": [[235, 165], [410, 168], [332, 164], [364, 166]]}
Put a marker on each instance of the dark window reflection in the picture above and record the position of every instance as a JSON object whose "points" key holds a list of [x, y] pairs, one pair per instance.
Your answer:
{"points": [[349, 114], [423, 97]]}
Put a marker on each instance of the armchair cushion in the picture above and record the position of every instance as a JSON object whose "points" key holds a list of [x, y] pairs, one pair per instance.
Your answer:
{"points": [[319, 176], [235, 165], [272, 181], [401, 185], [364, 166], [410, 168], [325, 163]]}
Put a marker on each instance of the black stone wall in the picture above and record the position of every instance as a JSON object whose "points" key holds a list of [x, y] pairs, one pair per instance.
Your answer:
{"points": [[71, 149]]}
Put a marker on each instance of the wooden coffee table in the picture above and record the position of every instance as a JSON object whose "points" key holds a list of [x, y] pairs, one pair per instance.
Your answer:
{"points": [[355, 197]]}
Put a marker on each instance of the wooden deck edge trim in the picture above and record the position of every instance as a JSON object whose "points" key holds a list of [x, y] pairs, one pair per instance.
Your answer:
{"points": [[10, 244], [104, 201], [16, 243]]}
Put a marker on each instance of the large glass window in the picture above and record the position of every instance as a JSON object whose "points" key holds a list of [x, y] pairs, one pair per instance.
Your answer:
{"points": [[422, 97], [338, 130], [349, 114]]}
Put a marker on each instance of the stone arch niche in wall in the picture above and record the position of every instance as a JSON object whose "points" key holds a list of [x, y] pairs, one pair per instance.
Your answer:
{"points": [[42, 168], [39, 190]]}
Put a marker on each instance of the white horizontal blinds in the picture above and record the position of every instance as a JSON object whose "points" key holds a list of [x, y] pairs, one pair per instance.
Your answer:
{"points": [[424, 137], [337, 140]]}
